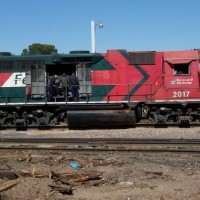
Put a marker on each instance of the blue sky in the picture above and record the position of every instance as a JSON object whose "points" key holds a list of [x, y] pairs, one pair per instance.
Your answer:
{"points": [[128, 24]]}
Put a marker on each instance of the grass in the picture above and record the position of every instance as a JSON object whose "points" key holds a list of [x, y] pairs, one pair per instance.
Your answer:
{"points": [[145, 185]]}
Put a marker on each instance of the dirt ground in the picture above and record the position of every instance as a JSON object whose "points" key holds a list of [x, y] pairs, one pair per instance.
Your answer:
{"points": [[108, 176]]}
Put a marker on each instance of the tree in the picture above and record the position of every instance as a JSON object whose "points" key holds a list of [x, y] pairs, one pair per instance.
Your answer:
{"points": [[37, 48]]}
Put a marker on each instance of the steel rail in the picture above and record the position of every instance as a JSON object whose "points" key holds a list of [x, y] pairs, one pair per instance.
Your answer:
{"points": [[103, 144], [99, 140], [93, 150]]}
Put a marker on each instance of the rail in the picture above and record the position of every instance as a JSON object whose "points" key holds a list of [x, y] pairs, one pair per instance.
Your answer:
{"points": [[103, 144]]}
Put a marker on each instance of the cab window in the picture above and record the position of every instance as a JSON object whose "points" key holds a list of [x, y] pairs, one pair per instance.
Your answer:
{"points": [[181, 69]]}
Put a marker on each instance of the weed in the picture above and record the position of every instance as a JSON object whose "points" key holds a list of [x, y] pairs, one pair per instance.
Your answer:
{"points": [[145, 185]]}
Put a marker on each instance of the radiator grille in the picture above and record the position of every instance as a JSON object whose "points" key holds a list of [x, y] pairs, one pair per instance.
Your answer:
{"points": [[19, 64], [142, 58]]}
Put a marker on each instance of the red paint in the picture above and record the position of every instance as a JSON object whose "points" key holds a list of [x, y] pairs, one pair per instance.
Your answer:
{"points": [[162, 83], [28, 90], [4, 77], [123, 75]]}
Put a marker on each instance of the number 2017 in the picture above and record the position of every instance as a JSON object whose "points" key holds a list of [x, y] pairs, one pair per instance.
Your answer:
{"points": [[179, 94]]}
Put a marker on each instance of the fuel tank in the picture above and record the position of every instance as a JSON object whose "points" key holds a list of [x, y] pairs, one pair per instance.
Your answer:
{"points": [[101, 118]]}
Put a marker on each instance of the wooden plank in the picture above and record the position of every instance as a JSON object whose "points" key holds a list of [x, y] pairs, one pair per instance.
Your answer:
{"points": [[7, 185]]}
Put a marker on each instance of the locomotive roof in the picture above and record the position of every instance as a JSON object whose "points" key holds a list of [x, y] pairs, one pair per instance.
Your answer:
{"points": [[73, 57], [59, 58]]}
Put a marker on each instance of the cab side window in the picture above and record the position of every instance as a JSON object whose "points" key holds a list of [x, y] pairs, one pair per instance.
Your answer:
{"points": [[181, 69]]}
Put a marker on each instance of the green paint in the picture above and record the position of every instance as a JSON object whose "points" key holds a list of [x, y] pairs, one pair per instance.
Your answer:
{"points": [[16, 95], [124, 53], [102, 65], [8, 92], [100, 91]]}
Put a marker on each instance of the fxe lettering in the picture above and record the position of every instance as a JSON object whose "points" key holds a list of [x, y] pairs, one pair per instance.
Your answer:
{"points": [[19, 79]]}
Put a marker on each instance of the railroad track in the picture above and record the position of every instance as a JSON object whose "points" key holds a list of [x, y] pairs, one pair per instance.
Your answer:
{"points": [[103, 144], [46, 127]]}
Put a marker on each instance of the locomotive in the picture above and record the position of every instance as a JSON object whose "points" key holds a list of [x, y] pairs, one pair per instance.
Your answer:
{"points": [[117, 88]]}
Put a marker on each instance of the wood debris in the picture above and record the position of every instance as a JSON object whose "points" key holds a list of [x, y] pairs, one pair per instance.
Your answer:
{"points": [[7, 185], [28, 158], [33, 173], [76, 177]]}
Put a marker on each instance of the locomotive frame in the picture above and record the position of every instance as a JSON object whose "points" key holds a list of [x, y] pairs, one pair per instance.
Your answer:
{"points": [[117, 88]]}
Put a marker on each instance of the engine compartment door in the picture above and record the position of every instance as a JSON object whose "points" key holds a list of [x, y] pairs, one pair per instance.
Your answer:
{"points": [[84, 77], [38, 82]]}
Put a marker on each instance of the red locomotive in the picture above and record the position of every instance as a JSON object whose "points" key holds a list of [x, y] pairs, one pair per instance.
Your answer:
{"points": [[156, 87]]}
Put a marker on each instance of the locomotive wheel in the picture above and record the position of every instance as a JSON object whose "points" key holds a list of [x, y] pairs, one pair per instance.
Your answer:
{"points": [[52, 121], [9, 122], [31, 122]]}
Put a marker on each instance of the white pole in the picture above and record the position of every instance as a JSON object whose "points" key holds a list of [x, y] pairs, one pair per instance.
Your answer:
{"points": [[93, 36]]}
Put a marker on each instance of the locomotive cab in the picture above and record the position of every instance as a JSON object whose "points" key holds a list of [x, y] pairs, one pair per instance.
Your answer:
{"points": [[180, 73]]}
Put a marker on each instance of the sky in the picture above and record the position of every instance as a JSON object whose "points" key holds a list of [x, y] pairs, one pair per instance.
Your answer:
{"points": [[134, 25]]}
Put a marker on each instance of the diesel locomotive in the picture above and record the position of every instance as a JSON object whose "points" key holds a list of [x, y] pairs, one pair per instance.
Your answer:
{"points": [[117, 88]]}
